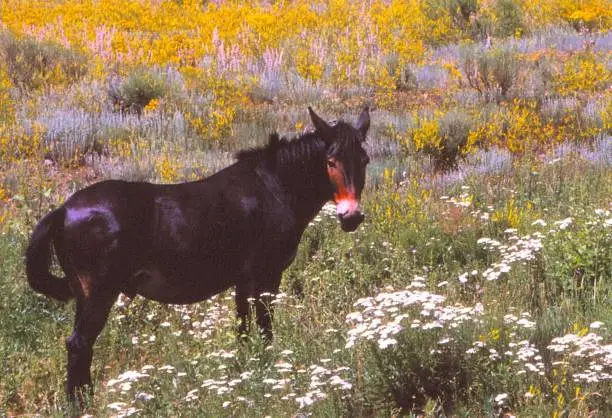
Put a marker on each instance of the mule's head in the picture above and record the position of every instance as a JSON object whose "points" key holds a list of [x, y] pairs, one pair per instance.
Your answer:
{"points": [[346, 165]]}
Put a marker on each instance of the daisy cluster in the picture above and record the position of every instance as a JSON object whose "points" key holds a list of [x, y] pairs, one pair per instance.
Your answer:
{"points": [[586, 354], [382, 317], [125, 386], [518, 250], [327, 212], [464, 200], [203, 322], [199, 321], [283, 380]]}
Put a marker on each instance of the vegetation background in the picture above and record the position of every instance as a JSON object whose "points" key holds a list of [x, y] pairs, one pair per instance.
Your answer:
{"points": [[479, 284]]}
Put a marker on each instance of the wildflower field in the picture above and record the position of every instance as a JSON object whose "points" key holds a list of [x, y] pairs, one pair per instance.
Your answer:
{"points": [[479, 284]]}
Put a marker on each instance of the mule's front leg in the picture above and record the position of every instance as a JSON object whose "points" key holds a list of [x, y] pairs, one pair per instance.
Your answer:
{"points": [[264, 307], [265, 311], [242, 308]]}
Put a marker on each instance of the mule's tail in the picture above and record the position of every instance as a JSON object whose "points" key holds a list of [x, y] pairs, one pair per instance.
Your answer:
{"points": [[38, 258]]}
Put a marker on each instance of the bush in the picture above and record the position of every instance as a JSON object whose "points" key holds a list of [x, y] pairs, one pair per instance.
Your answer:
{"points": [[134, 93], [592, 15], [583, 272], [509, 18], [462, 11], [492, 73], [406, 80], [541, 78], [32, 64], [70, 135], [517, 126], [7, 107], [421, 349], [583, 74], [445, 139]]}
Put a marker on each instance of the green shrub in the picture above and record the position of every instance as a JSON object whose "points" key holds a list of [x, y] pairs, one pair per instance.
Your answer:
{"points": [[578, 259], [417, 349], [461, 11], [135, 92], [33, 64], [455, 128], [406, 79], [509, 18], [492, 73]]}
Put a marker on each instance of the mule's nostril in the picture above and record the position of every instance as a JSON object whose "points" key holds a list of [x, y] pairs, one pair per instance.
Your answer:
{"points": [[346, 207]]}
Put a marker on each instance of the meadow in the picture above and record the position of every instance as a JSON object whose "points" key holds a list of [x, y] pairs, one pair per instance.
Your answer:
{"points": [[479, 284]]}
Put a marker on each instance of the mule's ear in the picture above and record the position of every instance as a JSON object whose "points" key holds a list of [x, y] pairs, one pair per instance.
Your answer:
{"points": [[321, 126], [363, 123]]}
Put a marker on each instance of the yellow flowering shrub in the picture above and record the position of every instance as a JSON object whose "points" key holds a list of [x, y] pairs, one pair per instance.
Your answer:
{"points": [[309, 66], [7, 108], [168, 168], [147, 32], [606, 115], [16, 142], [583, 73], [162, 32], [593, 14], [215, 120], [445, 137], [524, 128], [516, 126], [401, 27], [427, 135], [385, 85]]}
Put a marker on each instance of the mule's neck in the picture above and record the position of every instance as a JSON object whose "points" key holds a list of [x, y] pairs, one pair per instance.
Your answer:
{"points": [[300, 170]]}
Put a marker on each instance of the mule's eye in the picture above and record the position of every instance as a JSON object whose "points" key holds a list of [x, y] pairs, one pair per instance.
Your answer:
{"points": [[331, 163]]}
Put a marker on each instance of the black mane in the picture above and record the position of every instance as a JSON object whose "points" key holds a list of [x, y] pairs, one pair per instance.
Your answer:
{"points": [[262, 153], [280, 151]]}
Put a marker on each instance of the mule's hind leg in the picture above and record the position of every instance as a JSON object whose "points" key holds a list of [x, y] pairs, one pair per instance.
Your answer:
{"points": [[93, 306]]}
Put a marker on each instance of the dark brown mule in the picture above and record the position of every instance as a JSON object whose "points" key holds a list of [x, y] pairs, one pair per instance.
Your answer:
{"points": [[183, 243]]}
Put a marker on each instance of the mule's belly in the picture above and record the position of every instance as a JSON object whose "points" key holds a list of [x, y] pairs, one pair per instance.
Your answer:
{"points": [[178, 287]]}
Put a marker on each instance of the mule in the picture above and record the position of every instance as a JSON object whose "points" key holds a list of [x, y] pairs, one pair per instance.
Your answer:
{"points": [[183, 243]]}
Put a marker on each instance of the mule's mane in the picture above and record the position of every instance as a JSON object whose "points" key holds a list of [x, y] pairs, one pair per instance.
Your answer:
{"points": [[284, 152]]}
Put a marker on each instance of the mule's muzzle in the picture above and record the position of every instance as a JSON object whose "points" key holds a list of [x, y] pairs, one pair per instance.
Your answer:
{"points": [[349, 223], [349, 214]]}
